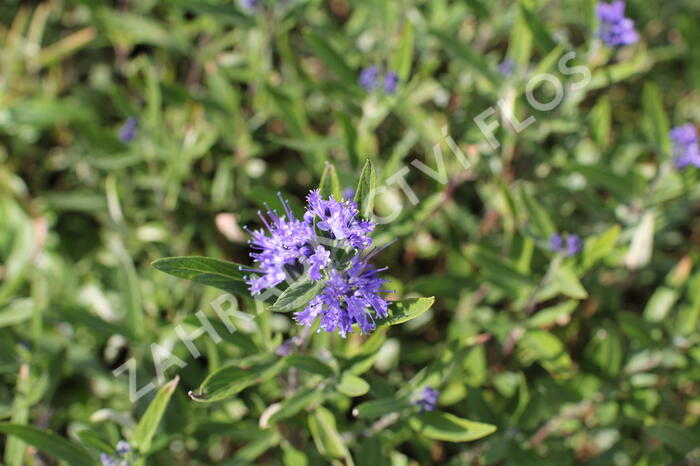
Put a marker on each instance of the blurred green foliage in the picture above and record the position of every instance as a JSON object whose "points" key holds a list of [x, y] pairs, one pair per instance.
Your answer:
{"points": [[591, 359]]}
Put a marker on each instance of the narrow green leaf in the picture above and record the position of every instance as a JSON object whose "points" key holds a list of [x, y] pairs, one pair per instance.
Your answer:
{"points": [[377, 408], [366, 189], [309, 364], [655, 120], [569, 283], [351, 385], [330, 185], [465, 54], [146, 428], [297, 295], [600, 247], [448, 427], [330, 56], [676, 437], [95, 440], [230, 380], [401, 61], [50, 444], [405, 310], [302, 399], [543, 39], [326, 437], [218, 273], [537, 215]]}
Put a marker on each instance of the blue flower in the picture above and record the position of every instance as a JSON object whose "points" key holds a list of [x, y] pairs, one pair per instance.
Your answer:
{"points": [[556, 242], [573, 245], [330, 244], [369, 78], [127, 133], [686, 146], [391, 80], [428, 399], [615, 28], [506, 67]]}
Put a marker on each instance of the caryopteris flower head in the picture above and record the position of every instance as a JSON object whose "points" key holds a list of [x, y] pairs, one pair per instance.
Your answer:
{"points": [[615, 28], [428, 399], [330, 244], [686, 146]]}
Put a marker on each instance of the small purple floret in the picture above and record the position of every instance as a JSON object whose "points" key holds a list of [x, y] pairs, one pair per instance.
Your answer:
{"points": [[573, 245], [391, 80], [127, 133], [428, 399], [369, 78], [556, 242]]}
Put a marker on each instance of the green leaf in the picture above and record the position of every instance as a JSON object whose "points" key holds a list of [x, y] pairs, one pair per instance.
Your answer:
{"points": [[537, 215], [50, 444], [330, 56], [551, 315], [448, 427], [95, 440], [655, 121], [405, 310], [302, 399], [297, 295], [146, 428], [687, 320], [600, 247], [543, 39], [330, 185], [377, 408], [467, 55], [309, 364], [401, 61], [569, 283], [218, 273], [366, 189], [351, 385], [676, 437], [543, 347], [326, 437], [231, 380]]}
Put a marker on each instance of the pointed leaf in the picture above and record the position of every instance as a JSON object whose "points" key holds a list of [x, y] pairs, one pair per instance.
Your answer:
{"points": [[352, 385], [297, 295], [146, 428], [366, 188], [230, 380], [448, 427], [50, 444], [218, 273], [405, 310], [330, 185]]}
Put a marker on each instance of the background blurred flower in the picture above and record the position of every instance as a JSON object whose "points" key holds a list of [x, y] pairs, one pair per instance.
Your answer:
{"points": [[615, 28], [127, 133]]}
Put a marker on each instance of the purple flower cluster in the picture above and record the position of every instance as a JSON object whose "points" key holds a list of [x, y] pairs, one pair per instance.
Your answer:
{"points": [[370, 79], [330, 244], [686, 146], [573, 244], [615, 28], [428, 399]]}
